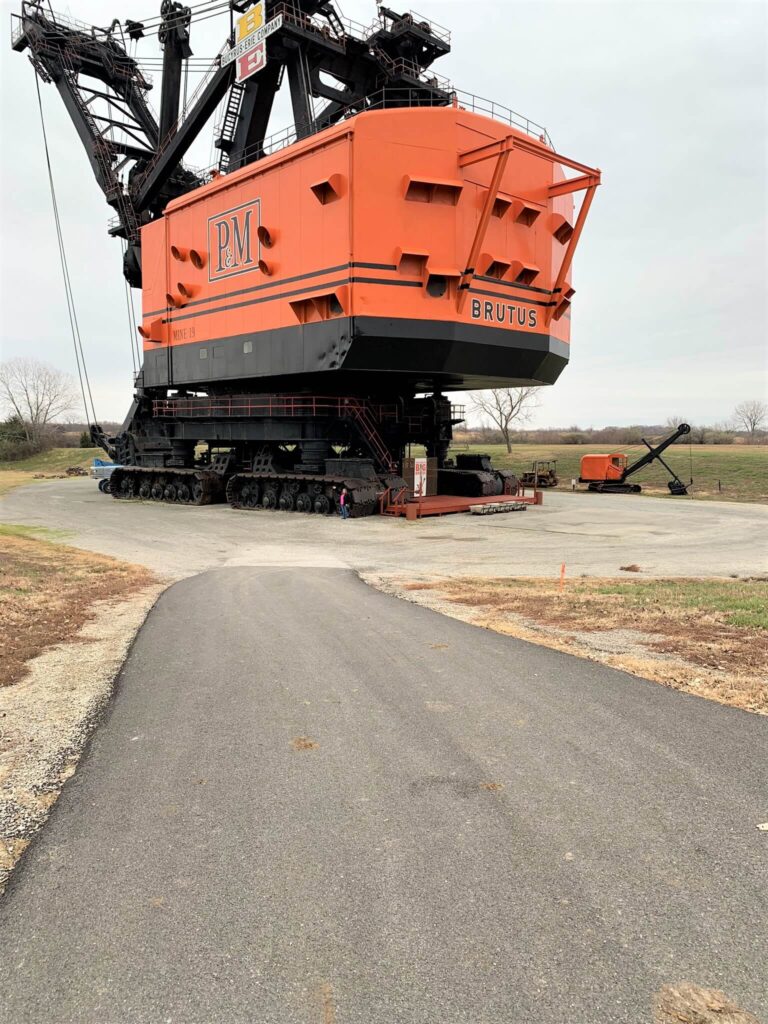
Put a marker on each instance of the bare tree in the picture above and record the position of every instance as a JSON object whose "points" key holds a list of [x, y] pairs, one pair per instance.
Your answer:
{"points": [[751, 416], [673, 422], [505, 406], [37, 393]]}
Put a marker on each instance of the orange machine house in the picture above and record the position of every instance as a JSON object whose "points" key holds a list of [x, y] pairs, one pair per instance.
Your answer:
{"points": [[602, 467], [415, 249]]}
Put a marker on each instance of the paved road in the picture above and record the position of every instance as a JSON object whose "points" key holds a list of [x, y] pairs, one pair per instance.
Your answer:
{"points": [[314, 803], [593, 534]]}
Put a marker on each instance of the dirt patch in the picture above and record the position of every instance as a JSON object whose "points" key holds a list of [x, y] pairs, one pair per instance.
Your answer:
{"points": [[691, 1004], [304, 743], [67, 620], [707, 637]]}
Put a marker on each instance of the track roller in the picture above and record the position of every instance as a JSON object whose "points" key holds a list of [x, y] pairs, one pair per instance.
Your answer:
{"points": [[172, 486], [294, 492]]}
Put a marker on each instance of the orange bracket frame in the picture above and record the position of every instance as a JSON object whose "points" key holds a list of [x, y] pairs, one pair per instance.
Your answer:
{"points": [[588, 179]]}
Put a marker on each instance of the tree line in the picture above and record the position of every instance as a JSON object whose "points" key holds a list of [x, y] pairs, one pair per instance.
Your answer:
{"points": [[504, 412], [35, 398]]}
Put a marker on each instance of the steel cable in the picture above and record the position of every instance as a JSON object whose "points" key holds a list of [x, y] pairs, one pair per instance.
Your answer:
{"points": [[82, 371], [128, 311]]}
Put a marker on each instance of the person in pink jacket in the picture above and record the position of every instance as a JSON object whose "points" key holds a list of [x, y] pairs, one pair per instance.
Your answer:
{"points": [[344, 503]]}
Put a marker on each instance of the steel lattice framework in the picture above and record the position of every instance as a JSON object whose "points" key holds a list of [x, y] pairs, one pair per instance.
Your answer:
{"points": [[136, 155]]}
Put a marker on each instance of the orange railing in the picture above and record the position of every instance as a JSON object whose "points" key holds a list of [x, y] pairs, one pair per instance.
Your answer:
{"points": [[393, 501]]}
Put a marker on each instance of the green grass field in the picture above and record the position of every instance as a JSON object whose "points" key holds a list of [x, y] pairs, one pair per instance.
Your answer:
{"points": [[742, 470], [55, 460]]}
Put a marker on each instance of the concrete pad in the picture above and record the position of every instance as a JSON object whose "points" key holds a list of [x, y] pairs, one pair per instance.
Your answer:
{"points": [[593, 534]]}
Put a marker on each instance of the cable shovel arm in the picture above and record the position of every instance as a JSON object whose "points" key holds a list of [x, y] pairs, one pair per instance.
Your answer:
{"points": [[675, 485]]}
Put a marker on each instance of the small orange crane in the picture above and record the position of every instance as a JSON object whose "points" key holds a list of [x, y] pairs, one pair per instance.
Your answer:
{"points": [[607, 474]]}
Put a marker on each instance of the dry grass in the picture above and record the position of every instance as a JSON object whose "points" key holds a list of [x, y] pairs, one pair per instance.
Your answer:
{"points": [[66, 620], [708, 637], [11, 478], [46, 595]]}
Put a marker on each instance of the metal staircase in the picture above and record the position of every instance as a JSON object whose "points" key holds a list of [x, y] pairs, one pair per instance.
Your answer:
{"points": [[368, 428], [228, 124]]}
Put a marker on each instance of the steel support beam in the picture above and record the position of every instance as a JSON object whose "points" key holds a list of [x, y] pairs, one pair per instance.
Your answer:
{"points": [[485, 216], [87, 131], [301, 100], [174, 37], [568, 257], [168, 159], [253, 119]]}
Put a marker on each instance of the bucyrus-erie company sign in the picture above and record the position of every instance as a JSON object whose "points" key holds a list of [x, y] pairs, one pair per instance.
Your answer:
{"points": [[250, 48]]}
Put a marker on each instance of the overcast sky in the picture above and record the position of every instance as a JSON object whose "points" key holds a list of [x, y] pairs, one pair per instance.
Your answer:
{"points": [[667, 98]]}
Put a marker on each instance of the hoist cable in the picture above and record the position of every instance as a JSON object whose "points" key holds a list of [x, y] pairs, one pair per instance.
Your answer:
{"points": [[205, 7], [186, 84], [82, 371], [135, 335], [130, 325]]}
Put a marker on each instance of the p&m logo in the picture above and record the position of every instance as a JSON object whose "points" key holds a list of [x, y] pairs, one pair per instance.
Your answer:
{"points": [[233, 241]]}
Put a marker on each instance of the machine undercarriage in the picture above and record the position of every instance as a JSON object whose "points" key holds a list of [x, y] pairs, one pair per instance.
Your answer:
{"points": [[288, 452]]}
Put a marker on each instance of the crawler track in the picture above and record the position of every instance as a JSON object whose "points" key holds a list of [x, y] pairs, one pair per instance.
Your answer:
{"points": [[174, 486], [476, 483], [291, 492], [615, 488]]}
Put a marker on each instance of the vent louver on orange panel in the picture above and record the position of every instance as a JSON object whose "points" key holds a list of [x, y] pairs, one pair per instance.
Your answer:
{"points": [[525, 213], [493, 266], [524, 273], [320, 307], [153, 332], [442, 280], [562, 229], [328, 190], [501, 206], [440, 191], [412, 262], [565, 302]]}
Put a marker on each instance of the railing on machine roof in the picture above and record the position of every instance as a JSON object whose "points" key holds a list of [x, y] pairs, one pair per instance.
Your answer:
{"points": [[281, 405], [420, 21], [479, 105], [293, 15], [388, 97], [17, 29], [392, 97]]}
